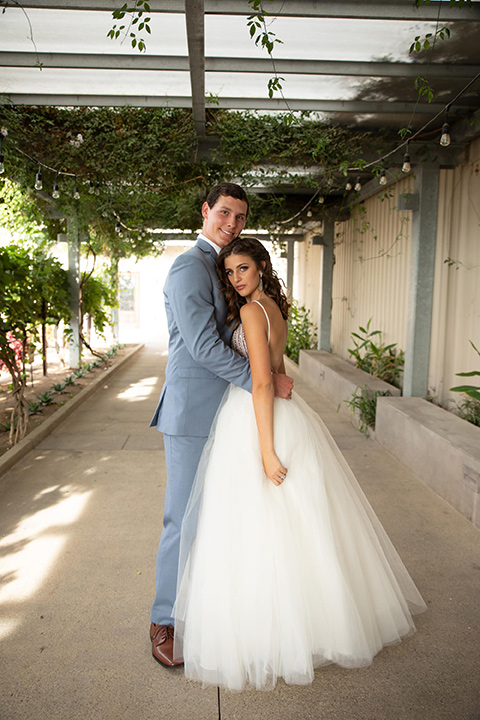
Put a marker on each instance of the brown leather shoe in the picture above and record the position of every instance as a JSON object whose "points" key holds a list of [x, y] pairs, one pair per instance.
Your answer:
{"points": [[162, 645]]}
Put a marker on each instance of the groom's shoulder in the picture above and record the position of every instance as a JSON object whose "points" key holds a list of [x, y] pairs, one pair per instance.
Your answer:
{"points": [[192, 256]]}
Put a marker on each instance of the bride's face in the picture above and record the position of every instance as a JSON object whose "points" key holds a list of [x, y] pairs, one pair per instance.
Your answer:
{"points": [[243, 273]]}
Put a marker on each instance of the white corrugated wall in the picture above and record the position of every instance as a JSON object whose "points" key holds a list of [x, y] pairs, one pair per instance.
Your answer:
{"points": [[370, 277], [456, 310]]}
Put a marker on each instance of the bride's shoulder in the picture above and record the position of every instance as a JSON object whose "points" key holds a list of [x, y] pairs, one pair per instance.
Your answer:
{"points": [[249, 311]]}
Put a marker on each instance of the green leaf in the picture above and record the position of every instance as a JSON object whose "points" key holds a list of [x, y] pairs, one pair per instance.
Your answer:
{"points": [[469, 389]]}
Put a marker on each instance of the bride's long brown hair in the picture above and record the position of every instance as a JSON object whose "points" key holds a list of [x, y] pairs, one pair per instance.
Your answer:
{"points": [[272, 285]]}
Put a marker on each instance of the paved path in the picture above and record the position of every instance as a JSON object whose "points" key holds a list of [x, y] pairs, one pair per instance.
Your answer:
{"points": [[80, 519]]}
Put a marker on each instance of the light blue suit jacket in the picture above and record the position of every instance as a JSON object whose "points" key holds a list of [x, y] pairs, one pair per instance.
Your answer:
{"points": [[201, 363]]}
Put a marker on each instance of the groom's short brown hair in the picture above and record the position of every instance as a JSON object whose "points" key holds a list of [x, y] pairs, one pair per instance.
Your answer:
{"points": [[229, 189]]}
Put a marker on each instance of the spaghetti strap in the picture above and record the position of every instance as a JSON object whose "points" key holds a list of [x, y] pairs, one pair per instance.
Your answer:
{"points": [[268, 320]]}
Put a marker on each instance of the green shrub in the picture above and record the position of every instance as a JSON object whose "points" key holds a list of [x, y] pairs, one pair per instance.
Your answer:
{"points": [[381, 361], [34, 408], [302, 332], [469, 409], [364, 401]]}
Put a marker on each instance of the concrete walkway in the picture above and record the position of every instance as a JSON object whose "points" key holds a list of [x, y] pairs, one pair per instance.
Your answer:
{"points": [[80, 519]]}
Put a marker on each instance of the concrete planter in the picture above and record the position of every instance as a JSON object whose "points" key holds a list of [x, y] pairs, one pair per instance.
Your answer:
{"points": [[440, 448], [338, 379]]}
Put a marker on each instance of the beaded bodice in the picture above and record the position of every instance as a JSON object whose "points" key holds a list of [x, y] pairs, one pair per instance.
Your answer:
{"points": [[238, 338], [238, 341]]}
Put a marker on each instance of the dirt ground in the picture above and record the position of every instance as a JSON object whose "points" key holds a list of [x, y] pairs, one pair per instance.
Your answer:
{"points": [[37, 384]]}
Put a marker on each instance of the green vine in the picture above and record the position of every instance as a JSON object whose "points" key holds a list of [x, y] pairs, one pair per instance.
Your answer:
{"points": [[137, 22], [137, 168]]}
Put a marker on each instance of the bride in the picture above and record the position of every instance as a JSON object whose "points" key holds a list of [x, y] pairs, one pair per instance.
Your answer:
{"points": [[284, 566]]}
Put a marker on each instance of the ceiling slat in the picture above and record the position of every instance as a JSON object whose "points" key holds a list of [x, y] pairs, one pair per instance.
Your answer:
{"points": [[317, 105], [366, 9], [172, 63]]}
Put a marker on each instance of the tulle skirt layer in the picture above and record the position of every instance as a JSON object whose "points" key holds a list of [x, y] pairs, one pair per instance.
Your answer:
{"points": [[275, 581]]}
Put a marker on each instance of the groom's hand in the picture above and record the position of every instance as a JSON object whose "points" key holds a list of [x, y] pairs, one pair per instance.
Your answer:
{"points": [[283, 386]]}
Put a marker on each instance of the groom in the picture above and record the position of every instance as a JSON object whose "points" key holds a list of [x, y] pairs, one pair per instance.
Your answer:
{"points": [[200, 366]]}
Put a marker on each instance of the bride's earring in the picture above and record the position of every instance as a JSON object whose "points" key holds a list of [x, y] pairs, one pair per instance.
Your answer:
{"points": [[260, 283]]}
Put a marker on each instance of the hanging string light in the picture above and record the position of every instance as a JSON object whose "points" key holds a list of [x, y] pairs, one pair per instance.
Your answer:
{"points": [[56, 190], [91, 188], [358, 184], [445, 137], [97, 189], [348, 186], [76, 194], [321, 199], [419, 132], [38, 179], [406, 167], [383, 178], [118, 227]]}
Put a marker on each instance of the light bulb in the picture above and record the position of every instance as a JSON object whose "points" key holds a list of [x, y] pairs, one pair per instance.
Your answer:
{"points": [[38, 180], [406, 167], [91, 188], [56, 192], [445, 139], [383, 178], [309, 213], [118, 227], [2, 166], [76, 194], [321, 199], [348, 186], [97, 189], [358, 185]]}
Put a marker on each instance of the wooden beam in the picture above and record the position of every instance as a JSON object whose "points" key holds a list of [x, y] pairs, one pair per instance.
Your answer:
{"points": [[352, 9], [102, 61]]}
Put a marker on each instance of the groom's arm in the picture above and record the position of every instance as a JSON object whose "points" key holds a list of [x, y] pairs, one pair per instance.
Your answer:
{"points": [[190, 293]]}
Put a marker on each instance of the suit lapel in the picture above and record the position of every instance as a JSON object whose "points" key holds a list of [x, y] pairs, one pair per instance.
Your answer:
{"points": [[207, 249]]}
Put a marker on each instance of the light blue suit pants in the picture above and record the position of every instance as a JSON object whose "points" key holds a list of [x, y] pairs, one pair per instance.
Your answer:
{"points": [[182, 455]]}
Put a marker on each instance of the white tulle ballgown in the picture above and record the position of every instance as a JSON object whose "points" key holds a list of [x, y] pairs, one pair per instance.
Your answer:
{"points": [[276, 581]]}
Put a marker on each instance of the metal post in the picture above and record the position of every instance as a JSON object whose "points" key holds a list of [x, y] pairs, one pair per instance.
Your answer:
{"points": [[422, 269], [325, 315], [74, 288]]}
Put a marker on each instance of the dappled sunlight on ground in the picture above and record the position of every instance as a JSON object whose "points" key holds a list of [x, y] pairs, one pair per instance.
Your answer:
{"points": [[30, 551], [139, 390]]}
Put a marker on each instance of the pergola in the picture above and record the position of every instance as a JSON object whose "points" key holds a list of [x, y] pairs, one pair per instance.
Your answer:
{"points": [[347, 61]]}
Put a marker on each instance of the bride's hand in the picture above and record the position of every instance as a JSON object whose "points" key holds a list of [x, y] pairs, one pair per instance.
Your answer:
{"points": [[274, 469]]}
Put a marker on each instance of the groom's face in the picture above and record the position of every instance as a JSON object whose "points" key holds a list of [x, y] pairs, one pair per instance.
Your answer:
{"points": [[225, 220]]}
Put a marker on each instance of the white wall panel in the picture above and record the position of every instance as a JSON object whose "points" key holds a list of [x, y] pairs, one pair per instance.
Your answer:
{"points": [[370, 277], [456, 310]]}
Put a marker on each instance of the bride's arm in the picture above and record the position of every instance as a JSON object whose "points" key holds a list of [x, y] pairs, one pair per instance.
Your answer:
{"points": [[255, 328]]}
